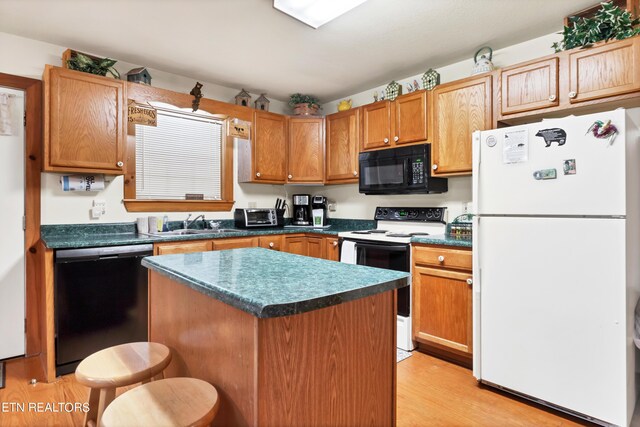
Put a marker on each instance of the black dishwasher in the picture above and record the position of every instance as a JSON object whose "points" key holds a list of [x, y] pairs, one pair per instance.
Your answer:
{"points": [[101, 300]]}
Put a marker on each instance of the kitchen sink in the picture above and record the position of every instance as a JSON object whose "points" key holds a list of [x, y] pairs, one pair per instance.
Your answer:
{"points": [[183, 232]]}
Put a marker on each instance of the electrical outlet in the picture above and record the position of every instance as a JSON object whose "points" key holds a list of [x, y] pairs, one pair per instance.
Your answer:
{"points": [[99, 208], [332, 206], [252, 204]]}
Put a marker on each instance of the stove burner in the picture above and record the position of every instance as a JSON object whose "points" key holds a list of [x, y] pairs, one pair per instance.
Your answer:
{"points": [[398, 235], [420, 234]]}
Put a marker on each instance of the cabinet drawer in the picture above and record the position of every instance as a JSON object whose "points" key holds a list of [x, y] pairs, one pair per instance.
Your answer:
{"points": [[449, 258]]}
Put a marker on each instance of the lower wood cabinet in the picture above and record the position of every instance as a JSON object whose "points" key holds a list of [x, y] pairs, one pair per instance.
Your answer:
{"points": [[295, 245], [331, 249], [242, 242], [182, 247], [270, 242], [442, 301], [315, 247]]}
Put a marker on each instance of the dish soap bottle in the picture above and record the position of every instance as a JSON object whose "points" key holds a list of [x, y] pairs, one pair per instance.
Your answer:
{"points": [[165, 223]]}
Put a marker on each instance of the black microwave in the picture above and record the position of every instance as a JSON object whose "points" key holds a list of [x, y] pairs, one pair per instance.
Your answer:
{"points": [[402, 170]]}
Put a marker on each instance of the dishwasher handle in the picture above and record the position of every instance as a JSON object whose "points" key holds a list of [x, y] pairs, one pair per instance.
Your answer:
{"points": [[87, 254]]}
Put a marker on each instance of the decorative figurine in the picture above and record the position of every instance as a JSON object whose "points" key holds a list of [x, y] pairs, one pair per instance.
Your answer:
{"points": [[430, 79], [262, 103], [409, 88], [139, 75], [416, 85], [484, 64], [344, 105], [243, 98], [197, 94], [375, 96]]}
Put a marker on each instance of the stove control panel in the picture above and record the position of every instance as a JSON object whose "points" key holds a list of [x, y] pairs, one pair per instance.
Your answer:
{"points": [[411, 214]]}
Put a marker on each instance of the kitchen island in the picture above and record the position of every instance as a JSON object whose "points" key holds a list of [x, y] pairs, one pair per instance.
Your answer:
{"points": [[287, 340]]}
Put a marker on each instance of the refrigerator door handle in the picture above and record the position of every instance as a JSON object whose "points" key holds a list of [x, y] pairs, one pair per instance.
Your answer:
{"points": [[475, 176]]}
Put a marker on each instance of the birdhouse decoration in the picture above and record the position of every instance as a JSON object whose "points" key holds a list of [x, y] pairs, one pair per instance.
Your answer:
{"points": [[392, 90], [430, 79], [139, 75], [262, 103], [243, 98]]}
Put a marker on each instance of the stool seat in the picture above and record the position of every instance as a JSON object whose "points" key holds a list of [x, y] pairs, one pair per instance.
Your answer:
{"points": [[168, 402], [123, 365]]}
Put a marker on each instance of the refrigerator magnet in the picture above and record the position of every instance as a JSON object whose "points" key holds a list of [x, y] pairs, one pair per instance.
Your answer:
{"points": [[553, 135], [569, 167], [491, 141], [515, 146]]}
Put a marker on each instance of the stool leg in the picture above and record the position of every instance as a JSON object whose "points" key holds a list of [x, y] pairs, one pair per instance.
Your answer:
{"points": [[92, 414], [106, 397], [160, 376]]}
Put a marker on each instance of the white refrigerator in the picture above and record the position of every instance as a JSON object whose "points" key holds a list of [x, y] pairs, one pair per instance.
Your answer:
{"points": [[556, 262]]}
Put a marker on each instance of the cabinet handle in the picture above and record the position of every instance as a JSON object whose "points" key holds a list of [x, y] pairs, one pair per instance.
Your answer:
{"points": [[434, 167], [355, 173], [440, 258], [572, 94], [335, 243], [386, 140], [258, 174], [271, 244], [552, 98], [395, 138], [290, 176], [469, 281], [120, 164]]}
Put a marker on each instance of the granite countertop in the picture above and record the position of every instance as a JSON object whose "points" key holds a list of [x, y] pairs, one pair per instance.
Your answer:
{"points": [[269, 283], [443, 239]]}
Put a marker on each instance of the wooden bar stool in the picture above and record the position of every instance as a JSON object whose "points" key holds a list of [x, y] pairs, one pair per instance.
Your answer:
{"points": [[119, 366], [176, 402]]}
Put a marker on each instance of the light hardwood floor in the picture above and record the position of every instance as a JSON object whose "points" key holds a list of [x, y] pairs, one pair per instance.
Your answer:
{"points": [[431, 392]]}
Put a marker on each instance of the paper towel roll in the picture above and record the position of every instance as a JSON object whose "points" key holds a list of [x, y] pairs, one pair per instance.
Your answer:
{"points": [[82, 182]]}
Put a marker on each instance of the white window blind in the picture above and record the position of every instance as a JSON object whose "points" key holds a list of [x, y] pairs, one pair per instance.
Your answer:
{"points": [[180, 156]]}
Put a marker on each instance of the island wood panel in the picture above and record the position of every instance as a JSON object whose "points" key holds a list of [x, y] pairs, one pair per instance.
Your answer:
{"points": [[209, 340], [411, 118], [459, 109], [334, 366], [182, 247], [243, 242], [342, 146], [376, 125], [315, 247], [529, 87], [443, 308], [269, 155], [604, 71], [47, 321], [332, 249], [306, 150], [273, 242], [84, 122]]}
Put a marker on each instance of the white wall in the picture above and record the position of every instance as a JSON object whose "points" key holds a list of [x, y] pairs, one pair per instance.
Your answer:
{"points": [[351, 204], [27, 58]]}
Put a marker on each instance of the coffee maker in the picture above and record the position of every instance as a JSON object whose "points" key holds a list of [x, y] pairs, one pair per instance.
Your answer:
{"points": [[319, 211], [301, 209]]}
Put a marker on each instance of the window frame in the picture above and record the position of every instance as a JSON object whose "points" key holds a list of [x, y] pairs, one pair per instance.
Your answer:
{"points": [[143, 94]]}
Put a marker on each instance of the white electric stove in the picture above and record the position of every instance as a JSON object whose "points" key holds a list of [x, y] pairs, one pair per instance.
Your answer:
{"points": [[388, 246]]}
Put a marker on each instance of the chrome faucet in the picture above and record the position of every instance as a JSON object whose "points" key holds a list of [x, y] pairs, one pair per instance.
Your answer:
{"points": [[186, 223]]}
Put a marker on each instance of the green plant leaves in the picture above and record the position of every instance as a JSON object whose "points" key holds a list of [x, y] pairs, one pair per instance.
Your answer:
{"points": [[298, 98], [609, 22], [85, 64]]}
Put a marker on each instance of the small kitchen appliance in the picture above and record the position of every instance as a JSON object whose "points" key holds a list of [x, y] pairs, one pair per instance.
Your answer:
{"points": [[403, 170], [319, 209], [555, 263], [258, 217], [388, 246], [301, 210]]}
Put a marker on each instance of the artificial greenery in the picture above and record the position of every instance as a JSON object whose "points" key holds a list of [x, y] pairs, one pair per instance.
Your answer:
{"points": [[100, 67], [609, 22], [298, 98]]}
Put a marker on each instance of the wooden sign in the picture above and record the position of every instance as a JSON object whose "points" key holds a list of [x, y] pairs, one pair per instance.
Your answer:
{"points": [[142, 115], [239, 129]]}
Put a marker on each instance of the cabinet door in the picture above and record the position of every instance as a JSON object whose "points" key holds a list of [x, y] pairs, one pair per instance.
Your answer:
{"points": [[411, 118], [608, 70], [182, 247], [270, 242], [442, 307], [331, 249], [244, 242], [269, 147], [376, 125], [306, 150], [84, 122], [459, 109], [343, 146], [315, 247], [296, 245], [529, 87]]}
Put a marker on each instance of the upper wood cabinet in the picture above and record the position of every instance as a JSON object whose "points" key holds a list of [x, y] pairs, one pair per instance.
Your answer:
{"points": [[529, 86], [459, 109], [604, 71], [263, 159], [342, 146], [84, 122], [306, 150], [390, 123]]}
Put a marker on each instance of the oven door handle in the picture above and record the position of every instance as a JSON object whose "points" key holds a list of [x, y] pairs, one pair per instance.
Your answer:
{"points": [[390, 248]]}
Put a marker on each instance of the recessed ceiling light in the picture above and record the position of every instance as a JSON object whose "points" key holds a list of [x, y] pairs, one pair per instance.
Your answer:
{"points": [[315, 12]]}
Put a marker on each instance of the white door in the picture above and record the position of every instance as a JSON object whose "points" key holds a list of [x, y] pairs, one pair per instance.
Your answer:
{"points": [[552, 311], [505, 171], [12, 262]]}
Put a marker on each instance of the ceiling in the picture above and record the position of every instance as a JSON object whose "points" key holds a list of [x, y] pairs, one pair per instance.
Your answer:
{"points": [[248, 43]]}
